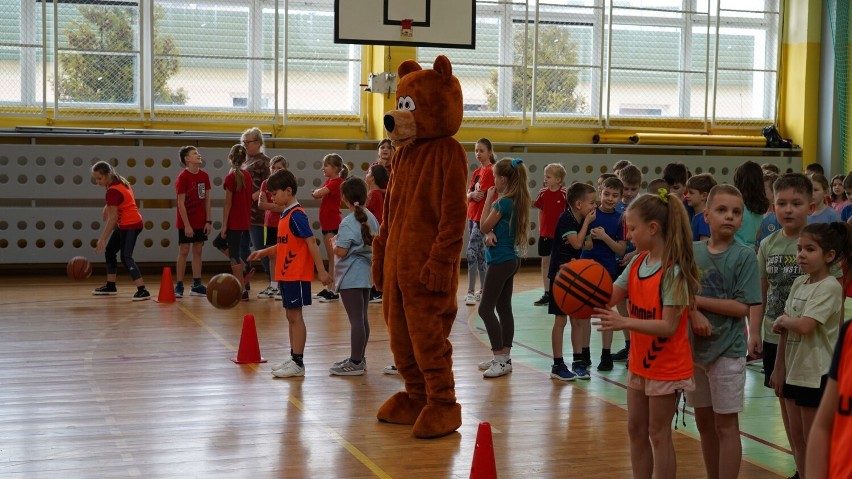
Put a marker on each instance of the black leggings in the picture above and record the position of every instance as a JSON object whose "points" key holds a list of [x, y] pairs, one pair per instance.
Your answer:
{"points": [[355, 302], [123, 241], [497, 294]]}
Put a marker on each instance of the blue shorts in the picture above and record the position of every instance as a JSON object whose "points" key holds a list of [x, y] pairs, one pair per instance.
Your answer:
{"points": [[295, 294]]}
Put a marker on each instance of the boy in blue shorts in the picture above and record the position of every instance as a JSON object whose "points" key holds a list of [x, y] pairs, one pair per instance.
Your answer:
{"points": [[296, 255], [697, 192], [729, 287], [604, 244]]}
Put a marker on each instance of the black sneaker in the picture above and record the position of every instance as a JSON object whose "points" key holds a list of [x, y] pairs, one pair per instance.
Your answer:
{"points": [[141, 295], [321, 294], [105, 291], [606, 363], [621, 355], [328, 297], [245, 296], [544, 300]]}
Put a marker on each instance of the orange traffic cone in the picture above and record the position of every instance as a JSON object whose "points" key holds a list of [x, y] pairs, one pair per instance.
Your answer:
{"points": [[483, 466], [249, 351], [167, 292]]}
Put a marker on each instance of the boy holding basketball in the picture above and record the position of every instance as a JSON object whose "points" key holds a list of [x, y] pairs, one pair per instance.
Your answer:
{"points": [[570, 233], [729, 287], [296, 255], [193, 218]]}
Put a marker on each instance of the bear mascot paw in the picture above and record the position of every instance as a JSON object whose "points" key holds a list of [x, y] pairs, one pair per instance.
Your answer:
{"points": [[416, 255]]}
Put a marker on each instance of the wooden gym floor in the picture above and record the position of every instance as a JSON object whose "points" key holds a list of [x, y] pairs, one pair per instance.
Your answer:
{"points": [[103, 387]]}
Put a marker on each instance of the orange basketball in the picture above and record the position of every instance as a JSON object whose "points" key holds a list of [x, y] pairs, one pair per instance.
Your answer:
{"points": [[78, 268], [224, 291], [580, 286]]}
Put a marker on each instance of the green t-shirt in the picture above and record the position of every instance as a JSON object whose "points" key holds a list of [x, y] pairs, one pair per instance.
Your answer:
{"points": [[731, 274], [809, 356], [777, 262], [647, 269]]}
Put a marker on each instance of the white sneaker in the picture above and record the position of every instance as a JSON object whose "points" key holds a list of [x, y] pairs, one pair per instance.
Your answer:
{"points": [[347, 368], [478, 296], [266, 293], [391, 369], [470, 299], [498, 369], [486, 364], [276, 294], [276, 367], [291, 369]]}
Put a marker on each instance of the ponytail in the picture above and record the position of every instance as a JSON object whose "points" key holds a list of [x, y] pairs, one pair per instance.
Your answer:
{"points": [[336, 161], [238, 157], [354, 191], [105, 168]]}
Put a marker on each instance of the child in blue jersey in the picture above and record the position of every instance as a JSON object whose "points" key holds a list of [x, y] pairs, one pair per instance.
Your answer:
{"points": [[697, 189], [296, 255], [604, 245], [505, 224], [631, 177], [570, 234]]}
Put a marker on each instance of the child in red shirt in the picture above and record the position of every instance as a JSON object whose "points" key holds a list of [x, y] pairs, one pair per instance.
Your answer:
{"points": [[329, 214], [551, 202], [270, 222], [193, 218], [236, 214]]}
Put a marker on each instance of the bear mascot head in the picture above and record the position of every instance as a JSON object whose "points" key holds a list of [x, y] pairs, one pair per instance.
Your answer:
{"points": [[416, 255]]}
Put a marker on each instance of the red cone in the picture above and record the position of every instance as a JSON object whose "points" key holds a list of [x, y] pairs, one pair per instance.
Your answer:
{"points": [[167, 292], [249, 351], [483, 466]]}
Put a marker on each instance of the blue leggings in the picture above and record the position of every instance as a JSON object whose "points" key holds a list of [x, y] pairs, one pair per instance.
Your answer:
{"points": [[123, 241]]}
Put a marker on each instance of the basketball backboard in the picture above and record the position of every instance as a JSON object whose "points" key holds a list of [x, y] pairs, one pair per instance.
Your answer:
{"points": [[433, 23]]}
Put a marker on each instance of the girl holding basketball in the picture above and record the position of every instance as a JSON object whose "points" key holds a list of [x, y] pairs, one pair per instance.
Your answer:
{"points": [[236, 213], [329, 214], [505, 225], [123, 226], [660, 284]]}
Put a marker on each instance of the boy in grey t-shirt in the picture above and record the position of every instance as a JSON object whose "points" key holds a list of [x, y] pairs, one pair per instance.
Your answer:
{"points": [[729, 287]]}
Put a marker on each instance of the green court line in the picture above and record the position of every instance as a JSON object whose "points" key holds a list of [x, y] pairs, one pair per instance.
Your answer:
{"points": [[764, 440]]}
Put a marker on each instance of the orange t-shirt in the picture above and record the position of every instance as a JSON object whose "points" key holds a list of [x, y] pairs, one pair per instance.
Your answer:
{"points": [[839, 464], [293, 261], [657, 358]]}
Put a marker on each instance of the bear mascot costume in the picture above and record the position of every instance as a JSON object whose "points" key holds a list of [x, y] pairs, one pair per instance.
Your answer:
{"points": [[416, 255]]}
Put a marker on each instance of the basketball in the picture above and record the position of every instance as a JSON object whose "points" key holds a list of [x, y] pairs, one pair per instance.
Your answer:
{"points": [[78, 268], [580, 286], [224, 291]]}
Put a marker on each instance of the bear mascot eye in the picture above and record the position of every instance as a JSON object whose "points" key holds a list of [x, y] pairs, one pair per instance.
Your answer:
{"points": [[405, 103]]}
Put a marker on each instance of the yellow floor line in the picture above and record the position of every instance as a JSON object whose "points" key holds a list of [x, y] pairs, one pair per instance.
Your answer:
{"points": [[360, 456]]}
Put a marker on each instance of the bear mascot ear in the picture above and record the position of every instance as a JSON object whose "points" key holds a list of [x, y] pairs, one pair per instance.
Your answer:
{"points": [[442, 65], [410, 66]]}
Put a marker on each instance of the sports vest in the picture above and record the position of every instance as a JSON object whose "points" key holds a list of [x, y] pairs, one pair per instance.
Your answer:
{"points": [[657, 358], [293, 260], [839, 464], [128, 213]]}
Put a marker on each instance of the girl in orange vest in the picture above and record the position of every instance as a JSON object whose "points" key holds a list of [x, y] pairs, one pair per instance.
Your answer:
{"points": [[660, 284], [122, 228]]}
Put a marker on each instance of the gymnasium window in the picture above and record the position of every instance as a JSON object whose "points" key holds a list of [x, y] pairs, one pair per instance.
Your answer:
{"points": [[699, 63], [177, 59]]}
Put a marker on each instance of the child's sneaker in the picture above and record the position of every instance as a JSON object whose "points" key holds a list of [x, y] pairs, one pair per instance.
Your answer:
{"points": [[141, 295], [621, 355], [329, 297], [245, 296], [276, 294], [606, 363], [470, 299], [390, 369], [478, 296], [281, 365], [179, 290], [484, 365], [289, 370], [544, 300], [562, 373], [198, 290], [347, 368], [321, 294], [266, 293], [375, 296], [579, 368], [498, 368], [105, 290]]}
